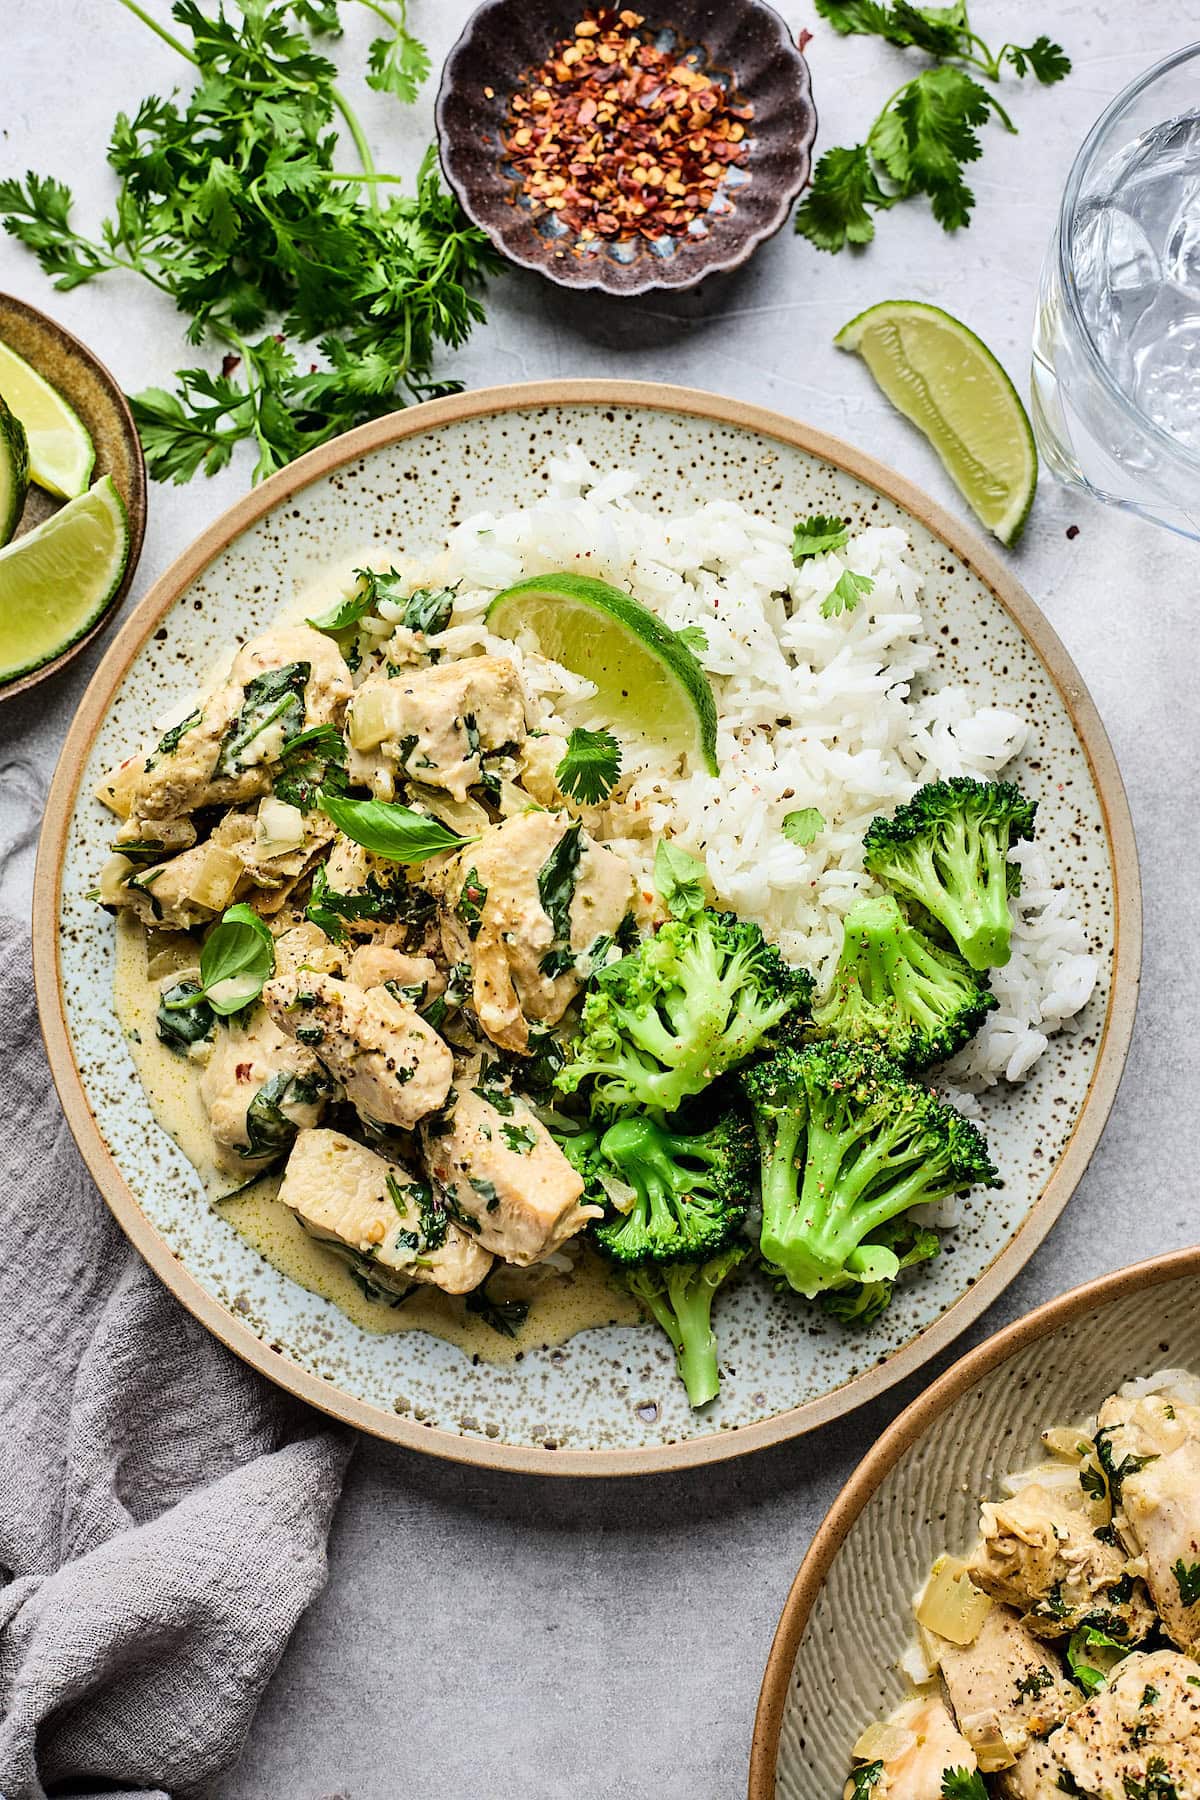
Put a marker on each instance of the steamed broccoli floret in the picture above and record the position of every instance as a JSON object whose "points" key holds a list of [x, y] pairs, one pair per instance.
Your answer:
{"points": [[860, 1303], [895, 988], [694, 1000], [692, 1189], [680, 1296], [947, 851], [847, 1143]]}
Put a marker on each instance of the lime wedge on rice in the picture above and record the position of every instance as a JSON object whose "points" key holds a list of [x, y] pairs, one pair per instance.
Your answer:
{"points": [[61, 454], [647, 680], [57, 580], [14, 471], [939, 375]]}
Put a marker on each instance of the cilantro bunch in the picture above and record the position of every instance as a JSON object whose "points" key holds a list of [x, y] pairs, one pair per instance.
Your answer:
{"points": [[326, 289], [928, 130]]}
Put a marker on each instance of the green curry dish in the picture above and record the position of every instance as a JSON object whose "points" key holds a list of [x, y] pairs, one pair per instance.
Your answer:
{"points": [[274, 699], [184, 1017]]}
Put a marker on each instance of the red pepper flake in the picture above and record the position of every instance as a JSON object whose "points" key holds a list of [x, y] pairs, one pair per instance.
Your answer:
{"points": [[619, 138]]}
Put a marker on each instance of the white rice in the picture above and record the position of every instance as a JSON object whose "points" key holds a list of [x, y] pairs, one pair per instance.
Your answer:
{"points": [[813, 712]]}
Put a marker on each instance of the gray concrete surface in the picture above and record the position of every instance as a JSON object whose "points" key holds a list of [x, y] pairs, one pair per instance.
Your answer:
{"points": [[483, 1636]]}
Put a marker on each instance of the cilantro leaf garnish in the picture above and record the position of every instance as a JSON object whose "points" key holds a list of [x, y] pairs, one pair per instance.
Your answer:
{"points": [[927, 131], [817, 536], [845, 595], [963, 1784], [591, 767], [802, 827]]}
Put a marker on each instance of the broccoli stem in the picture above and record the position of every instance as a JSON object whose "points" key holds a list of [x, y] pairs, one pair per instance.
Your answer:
{"points": [[686, 1317]]}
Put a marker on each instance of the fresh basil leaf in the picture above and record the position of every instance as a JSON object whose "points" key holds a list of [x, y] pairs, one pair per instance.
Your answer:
{"points": [[274, 698], [269, 1131], [186, 1022], [353, 607], [168, 743], [390, 830], [556, 881], [680, 880], [312, 760], [237, 961]]}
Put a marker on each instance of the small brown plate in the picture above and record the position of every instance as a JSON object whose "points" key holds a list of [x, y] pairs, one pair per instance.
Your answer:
{"points": [[83, 380], [743, 42]]}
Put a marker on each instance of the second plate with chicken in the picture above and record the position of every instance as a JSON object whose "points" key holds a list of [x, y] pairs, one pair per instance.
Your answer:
{"points": [[618, 953]]}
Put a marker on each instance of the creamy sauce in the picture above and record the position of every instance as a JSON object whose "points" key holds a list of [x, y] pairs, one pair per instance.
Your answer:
{"points": [[560, 1305]]}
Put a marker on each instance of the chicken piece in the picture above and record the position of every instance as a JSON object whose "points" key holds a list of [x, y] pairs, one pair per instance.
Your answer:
{"points": [[1005, 1687], [1137, 1739], [927, 1744], [393, 1066], [507, 1179], [434, 725], [190, 890], [1041, 1555], [1152, 1425], [383, 1219], [373, 964], [168, 835], [279, 683], [276, 843], [522, 907], [303, 945], [259, 1088], [1160, 1520]]}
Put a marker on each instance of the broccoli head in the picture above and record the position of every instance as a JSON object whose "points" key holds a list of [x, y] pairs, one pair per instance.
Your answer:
{"points": [[664, 1022], [947, 852], [680, 1296], [860, 1303], [692, 1190], [895, 988], [849, 1142]]}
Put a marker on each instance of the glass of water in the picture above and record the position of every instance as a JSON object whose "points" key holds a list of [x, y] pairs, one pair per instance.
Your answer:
{"points": [[1116, 349]]}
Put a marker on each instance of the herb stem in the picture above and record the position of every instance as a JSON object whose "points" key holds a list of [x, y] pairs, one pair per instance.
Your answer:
{"points": [[360, 143], [382, 13], [159, 30]]}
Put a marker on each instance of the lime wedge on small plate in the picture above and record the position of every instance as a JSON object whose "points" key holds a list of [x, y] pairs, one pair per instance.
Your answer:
{"points": [[943, 378], [57, 580], [61, 453], [648, 682], [14, 471]]}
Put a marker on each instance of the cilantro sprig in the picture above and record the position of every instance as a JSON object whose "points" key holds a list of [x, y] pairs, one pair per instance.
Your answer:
{"points": [[323, 289], [928, 131]]}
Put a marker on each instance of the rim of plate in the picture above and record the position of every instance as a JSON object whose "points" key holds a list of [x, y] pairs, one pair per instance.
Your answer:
{"points": [[900, 1436], [326, 1396]]}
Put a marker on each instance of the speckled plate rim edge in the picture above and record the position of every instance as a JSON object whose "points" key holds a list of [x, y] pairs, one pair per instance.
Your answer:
{"points": [[135, 506], [881, 1459], [528, 1459]]}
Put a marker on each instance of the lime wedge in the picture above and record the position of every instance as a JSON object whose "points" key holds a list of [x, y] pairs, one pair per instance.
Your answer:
{"points": [[61, 454], [14, 471], [939, 375], [57, 580], [647, 681]]}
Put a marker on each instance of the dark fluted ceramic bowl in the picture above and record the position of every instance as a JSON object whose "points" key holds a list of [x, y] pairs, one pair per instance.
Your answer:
{"points": [[742, 39]]}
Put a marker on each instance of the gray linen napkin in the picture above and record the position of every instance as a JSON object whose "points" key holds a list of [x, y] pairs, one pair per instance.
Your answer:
{"points": [[163, 1510]]}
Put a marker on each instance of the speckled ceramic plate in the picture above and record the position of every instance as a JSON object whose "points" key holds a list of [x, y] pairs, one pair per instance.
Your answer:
{"points": [[84, 381], [848, 1617], [608, 1401]]}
